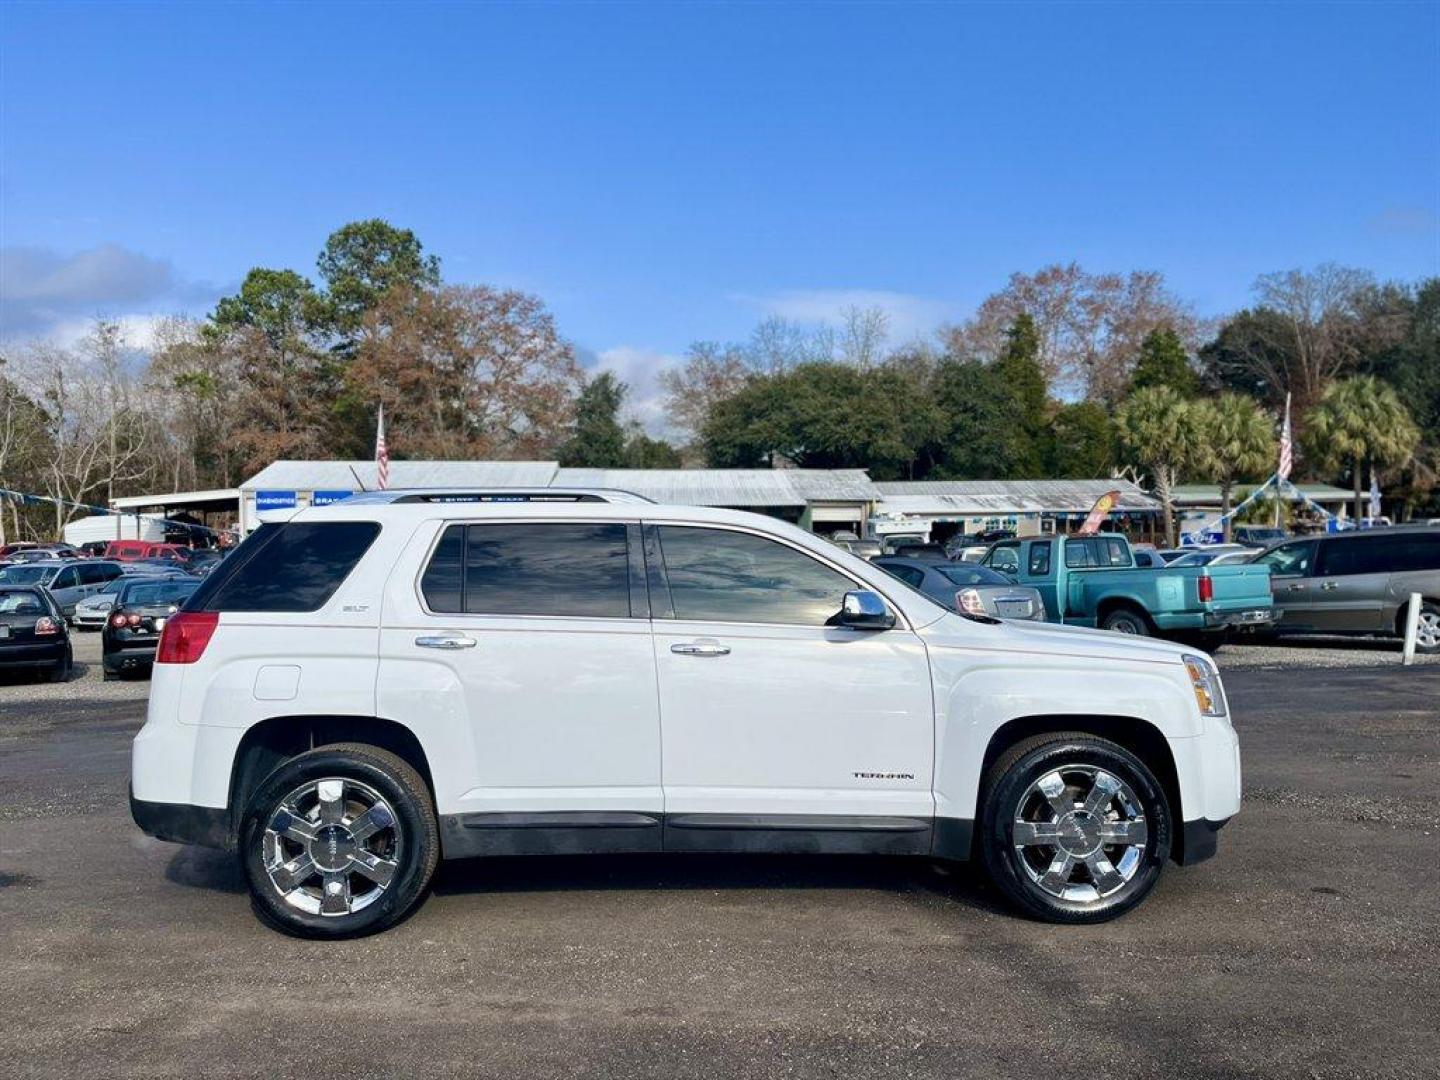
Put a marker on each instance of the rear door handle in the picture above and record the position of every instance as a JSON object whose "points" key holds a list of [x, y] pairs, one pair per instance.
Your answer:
{"points": [[1329, 586], [1296, 588], [700, 648], [445, 641]]}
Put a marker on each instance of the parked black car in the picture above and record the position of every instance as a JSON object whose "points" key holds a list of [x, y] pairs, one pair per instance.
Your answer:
{"points": [[132, 632], [33, 634]]}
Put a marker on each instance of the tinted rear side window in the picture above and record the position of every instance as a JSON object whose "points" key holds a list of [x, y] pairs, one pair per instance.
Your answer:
{"points": [[1353, 555], [579, 570], [1418, 551], [289, 567]]}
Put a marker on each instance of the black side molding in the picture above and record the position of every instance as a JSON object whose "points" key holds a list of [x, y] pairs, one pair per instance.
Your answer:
{"points": [[181, 823]]}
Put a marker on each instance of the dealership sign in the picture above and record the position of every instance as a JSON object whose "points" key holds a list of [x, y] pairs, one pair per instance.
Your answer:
{"points": [[275, 500], [325, 498]]}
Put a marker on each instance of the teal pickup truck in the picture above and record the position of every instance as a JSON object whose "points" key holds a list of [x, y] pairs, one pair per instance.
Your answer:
{"points": [[1093, 581]]}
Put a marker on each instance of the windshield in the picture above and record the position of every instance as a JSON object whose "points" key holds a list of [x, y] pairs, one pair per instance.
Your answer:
{"points": [[145, 594], [27, 575], [972, 574]]}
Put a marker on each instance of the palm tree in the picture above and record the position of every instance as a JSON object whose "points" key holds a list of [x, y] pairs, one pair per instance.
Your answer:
{"points": [[1360, 420], [1160, 430], [1238, 440]]}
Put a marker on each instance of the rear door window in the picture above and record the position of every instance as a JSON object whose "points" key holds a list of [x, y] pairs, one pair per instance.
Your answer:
{"points": [[1348, 556], [576, 569], [296, 566], [1416, 551]]}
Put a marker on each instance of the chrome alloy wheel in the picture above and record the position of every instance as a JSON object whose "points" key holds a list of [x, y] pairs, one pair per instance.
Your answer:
{"points": [[1427, 630], [332, 847], [1080, 833]]}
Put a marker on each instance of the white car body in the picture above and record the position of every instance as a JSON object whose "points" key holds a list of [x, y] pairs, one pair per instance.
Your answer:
{"points": [[792, 726]]}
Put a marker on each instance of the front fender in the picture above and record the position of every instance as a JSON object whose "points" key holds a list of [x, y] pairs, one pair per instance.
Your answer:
{"points": [[979, 692]]}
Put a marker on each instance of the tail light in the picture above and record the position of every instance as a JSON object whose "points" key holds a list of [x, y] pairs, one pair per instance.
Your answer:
{"points": [[968, 601], [117, 621], [185, 636], [133, 620], [46, 626], [1207, 588]]}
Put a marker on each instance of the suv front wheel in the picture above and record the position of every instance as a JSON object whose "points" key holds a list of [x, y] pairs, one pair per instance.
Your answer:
{"points": [[1074, 828], [338, 842]]}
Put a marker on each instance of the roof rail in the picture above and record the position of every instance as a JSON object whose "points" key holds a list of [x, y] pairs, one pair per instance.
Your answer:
{"points": [[499, 495]]}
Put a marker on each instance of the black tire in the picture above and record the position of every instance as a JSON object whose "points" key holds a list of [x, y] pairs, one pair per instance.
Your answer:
{"points": [[1126, 621], [1007, 790], [415, 839], [61, 671]]}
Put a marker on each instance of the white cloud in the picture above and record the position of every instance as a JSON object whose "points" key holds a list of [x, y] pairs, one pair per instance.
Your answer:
{"points": [[910, 316], [55, 297], [640, 370]]}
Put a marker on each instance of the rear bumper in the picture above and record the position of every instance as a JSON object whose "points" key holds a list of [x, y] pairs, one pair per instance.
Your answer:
{"points": [[1242, 618], [181, 823], [1199, 840], [33, 655]]}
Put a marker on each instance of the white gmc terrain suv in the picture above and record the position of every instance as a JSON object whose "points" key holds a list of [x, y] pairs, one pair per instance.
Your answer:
{"points": [[372, 686]]}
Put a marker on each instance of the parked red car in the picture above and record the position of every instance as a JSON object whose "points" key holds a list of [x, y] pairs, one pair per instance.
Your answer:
{"points": [[131, 550]]}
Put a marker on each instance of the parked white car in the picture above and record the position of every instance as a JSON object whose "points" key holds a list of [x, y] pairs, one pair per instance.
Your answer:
{"points": [[399, 678]]}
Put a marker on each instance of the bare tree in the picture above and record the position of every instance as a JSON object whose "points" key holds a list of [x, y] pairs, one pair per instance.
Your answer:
{"points": [[1323, 313], [863, 333], [1090, 325], [711, 373]]}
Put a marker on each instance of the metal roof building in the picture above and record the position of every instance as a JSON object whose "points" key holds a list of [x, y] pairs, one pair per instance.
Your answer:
{"points": [[1027, 506], [833, 498]]}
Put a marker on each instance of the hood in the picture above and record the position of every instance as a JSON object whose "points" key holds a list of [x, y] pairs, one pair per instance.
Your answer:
{"points": [[1053, 639]]}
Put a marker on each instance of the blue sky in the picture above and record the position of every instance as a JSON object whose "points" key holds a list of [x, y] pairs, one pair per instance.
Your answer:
{"points": [[666, 173]]}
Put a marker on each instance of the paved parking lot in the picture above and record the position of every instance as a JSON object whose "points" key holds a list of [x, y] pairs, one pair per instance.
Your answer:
{"points": [[1307, 948]]}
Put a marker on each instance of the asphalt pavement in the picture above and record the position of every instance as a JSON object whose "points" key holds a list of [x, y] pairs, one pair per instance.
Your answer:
{"points": [[1307, 948]]}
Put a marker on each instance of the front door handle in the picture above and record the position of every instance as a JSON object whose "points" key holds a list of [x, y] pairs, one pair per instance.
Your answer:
{"points": [[1329, 586], [445, 641], [700, 648], [1296, 588]]}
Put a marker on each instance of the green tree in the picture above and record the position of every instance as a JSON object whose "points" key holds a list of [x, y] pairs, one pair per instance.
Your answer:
{"points": [[281, 304], [597, 440], [1159, 429], [1023, 381], [1238, 441], [1360, 421], [1251, 354], [980, 430], [644, 452], [364, 260], [817, 415], [1082, 442], [1163, 362]]}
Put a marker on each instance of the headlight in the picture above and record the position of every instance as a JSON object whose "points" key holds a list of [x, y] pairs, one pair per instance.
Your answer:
{"points": [[1209, 694]]}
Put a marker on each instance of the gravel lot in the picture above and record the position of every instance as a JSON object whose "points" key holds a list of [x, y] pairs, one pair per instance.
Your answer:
{"points": [[1307, 948]]}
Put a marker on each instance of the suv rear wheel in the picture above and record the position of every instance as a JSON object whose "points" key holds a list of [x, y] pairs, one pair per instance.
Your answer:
{"points": [[1074, 828], [338, 842]]}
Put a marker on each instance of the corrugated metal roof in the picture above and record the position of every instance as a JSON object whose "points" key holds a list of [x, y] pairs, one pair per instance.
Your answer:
{"points": [[337, 475], [1006, 496], [1211, 492], [730, 487]]}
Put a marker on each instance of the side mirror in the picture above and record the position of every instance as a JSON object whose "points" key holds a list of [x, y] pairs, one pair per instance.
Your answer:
{"points": [[865, 610]]}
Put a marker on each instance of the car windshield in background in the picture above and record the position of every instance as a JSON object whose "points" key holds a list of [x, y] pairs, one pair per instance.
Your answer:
{"points": [[149, 593], [21, 602], [973, 574], [26, 575]]}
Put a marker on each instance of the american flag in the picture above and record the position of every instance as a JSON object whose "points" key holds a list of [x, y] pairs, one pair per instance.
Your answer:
{"points": [[382, 453], [1287, 449]]}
